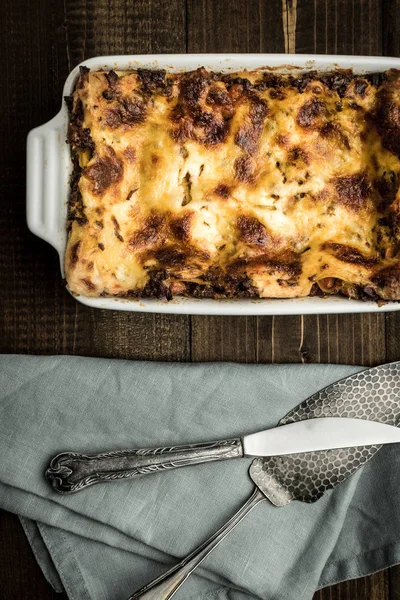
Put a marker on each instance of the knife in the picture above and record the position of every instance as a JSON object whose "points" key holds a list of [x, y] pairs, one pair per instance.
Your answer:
{"points": [[70, 472]]}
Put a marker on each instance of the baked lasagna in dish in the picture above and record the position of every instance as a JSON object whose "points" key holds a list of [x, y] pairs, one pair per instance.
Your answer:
{"points": [[253, 184]]}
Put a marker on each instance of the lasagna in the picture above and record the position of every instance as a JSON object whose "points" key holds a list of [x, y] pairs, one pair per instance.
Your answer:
{"points": [[253, 184]]}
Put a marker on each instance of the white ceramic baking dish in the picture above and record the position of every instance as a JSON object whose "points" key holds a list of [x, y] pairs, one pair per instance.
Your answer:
{"points": [[49, 167]]}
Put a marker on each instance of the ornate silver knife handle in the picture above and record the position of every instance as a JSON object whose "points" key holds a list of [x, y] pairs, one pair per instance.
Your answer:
{"points": [[70, 472]]}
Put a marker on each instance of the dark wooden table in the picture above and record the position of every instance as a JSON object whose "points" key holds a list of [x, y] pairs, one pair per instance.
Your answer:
{"points": [[40, 43]]}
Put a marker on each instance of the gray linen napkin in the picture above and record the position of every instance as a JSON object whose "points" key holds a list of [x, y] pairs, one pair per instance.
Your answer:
{"points": [[105, 542]]}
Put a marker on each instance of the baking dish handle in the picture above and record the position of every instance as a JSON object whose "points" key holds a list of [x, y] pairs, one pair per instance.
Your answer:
{"points": [[48, 168]]}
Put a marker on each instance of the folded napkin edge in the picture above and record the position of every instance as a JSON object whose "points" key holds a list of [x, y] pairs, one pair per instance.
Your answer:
{"points": [[382, 558]]}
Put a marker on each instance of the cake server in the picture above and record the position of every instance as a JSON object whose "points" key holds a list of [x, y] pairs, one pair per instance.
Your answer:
{"points": [[71, 472]]}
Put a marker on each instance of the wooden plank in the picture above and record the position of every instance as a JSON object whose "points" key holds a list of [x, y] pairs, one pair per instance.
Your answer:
{"points": [[29, 274], [327, 26], [374, 587], [39, 43], [40, 316], [94, 28], [394, 583], [140, 337], [351, 339], [339, 27], [390, 27], [287, 339], [224, 338], [100, 28], [20, 576], [232, 26]]}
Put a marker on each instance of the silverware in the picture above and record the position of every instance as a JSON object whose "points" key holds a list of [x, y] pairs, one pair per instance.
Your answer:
{"points": [[71, 472], [167, 585], [361, 432], [373, 393]]}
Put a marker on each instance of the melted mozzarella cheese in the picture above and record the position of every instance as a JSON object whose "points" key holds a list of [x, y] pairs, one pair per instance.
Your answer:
{"points": [[204, 181]]}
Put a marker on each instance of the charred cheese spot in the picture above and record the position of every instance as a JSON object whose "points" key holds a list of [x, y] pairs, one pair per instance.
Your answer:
{"points": [[112, 91], [338, 81], [277, 95], [252, 231], [128, 112], [222, 190], [353, 190], [112, 78], [74, 253], [89, 284], [244, 169], [171, 256], [297, 153], [183, 132], [180, 227], [193, 86], [386, 185], [248, 136], [282, 140], [150, 234], [213, 129], [334, 131], [152, 80], [130, 154], [309, 114], [220, 97], [105, 171], [388, 116], [191, 118], [387, 283], [349, 254], [83, 77], [360, 87]]}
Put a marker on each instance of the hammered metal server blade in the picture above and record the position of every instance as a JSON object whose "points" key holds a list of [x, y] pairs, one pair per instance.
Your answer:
{"points": [[372, 394]]}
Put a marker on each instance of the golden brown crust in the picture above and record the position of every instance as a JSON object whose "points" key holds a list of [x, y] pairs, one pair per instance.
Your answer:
{"points": [[252, 184]]}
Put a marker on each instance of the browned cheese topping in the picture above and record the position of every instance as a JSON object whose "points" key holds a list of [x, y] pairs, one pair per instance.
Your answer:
{"points": [[251, 184]]}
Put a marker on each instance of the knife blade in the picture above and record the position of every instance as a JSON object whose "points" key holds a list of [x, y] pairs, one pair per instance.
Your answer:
{"points": [[71, 472], [311, 435]]}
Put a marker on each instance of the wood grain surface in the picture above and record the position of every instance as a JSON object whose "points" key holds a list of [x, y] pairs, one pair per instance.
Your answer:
{"points": [[39, 43]]}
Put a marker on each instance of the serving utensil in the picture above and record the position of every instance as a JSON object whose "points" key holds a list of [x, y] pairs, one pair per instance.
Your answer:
{"points": [[167, 585], [70, 472]]}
